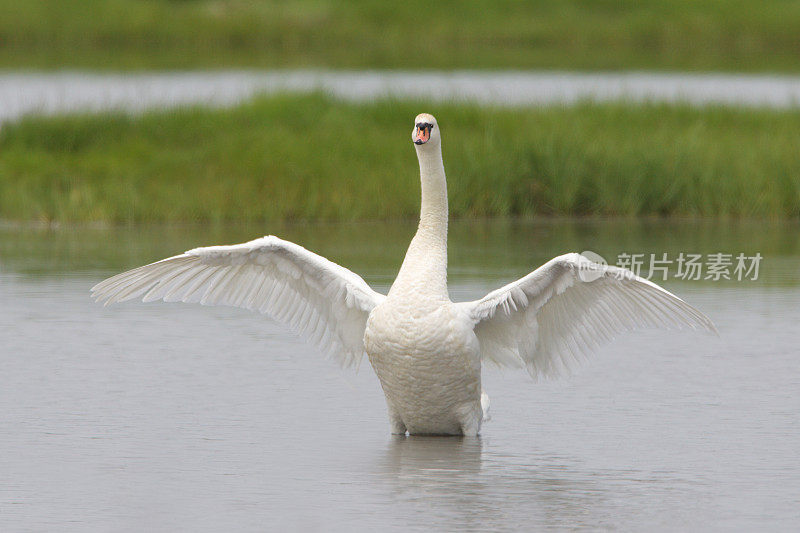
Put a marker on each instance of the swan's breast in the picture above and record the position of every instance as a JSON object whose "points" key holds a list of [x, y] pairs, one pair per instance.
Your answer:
{"points": [[415, 330], [431, 353], [427, 360]]}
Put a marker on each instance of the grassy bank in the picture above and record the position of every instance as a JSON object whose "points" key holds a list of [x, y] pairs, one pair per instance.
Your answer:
{"points": [[566, 34], [310, 157]]}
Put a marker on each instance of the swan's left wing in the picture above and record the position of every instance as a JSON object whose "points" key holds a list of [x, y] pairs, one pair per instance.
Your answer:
{"points": [[317, 298], [565, 309]]}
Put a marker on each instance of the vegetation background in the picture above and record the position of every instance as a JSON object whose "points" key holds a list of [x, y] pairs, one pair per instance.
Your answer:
{"points": [[711, 35], [291, 157]]}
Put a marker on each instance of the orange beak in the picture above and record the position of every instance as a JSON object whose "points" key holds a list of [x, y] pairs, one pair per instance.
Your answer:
{"points": [[422, 133]]}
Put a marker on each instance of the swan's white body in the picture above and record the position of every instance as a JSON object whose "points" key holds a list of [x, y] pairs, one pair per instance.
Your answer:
{"points": [[426, 350]]}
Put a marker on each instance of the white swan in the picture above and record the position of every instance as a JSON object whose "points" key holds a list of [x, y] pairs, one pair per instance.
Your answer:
{"points": [[426, 350]]}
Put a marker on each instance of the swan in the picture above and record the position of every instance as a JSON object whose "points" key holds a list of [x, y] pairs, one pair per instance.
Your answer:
{"points": [[426, 350]]}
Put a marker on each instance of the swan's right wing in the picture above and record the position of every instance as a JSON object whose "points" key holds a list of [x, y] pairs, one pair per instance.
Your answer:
{"points": [[317, 298], [566, 308]]}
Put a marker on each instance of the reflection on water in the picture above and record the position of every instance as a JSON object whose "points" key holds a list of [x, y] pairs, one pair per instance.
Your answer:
{"points": [[445, 470], [180, 417], [476, 484], [480, 251], [411, 458]]}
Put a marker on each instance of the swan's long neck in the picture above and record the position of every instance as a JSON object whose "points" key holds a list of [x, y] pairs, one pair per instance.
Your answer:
{"points": [[425, 266]]}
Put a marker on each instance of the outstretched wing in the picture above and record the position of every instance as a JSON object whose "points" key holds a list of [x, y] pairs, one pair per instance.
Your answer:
{"points": [[317, 298], [562, 311]]}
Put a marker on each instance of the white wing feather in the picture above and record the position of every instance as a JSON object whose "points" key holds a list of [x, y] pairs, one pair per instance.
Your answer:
{"points": [[562, 311], [325, 302]]}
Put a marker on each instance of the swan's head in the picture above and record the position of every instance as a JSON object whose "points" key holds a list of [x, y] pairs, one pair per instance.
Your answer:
{"points": [[426, 131]]}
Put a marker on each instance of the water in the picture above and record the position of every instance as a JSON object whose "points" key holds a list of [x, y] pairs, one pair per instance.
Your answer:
{"points": [[25, 93], [179, 417]]}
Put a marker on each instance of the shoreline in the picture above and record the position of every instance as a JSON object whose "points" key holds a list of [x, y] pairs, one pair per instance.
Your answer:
{"points": [[26, 93]]}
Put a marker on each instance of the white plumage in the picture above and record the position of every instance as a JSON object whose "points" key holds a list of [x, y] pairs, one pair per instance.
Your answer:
{"points": [[426, 350], [567, 308], [319, 299]]}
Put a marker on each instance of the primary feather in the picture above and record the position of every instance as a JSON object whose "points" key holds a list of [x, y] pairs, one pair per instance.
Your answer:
{"points": [[565, 309], [317, 298]]}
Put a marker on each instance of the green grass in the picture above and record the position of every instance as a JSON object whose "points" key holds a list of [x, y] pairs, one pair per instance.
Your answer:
{"points": [[315, 158], [721, 35]]}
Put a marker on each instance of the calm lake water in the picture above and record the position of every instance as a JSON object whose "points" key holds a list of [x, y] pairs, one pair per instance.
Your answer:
{"points": [[29, 92], [165, 417]]}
